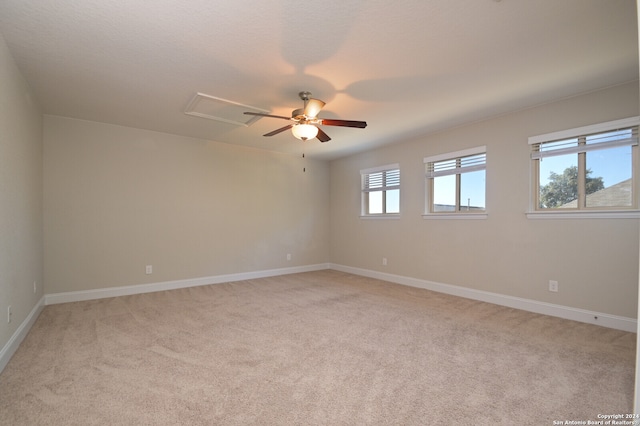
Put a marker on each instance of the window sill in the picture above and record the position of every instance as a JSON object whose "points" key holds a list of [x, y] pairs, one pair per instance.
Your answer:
{"points": [[464, 216], [592, 214], [380, 216]]}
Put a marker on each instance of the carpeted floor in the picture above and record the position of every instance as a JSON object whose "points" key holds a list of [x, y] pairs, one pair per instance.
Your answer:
{"points": [[319, 348]]}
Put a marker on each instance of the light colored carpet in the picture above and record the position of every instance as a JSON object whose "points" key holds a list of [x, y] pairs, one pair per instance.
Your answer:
{"points": [[319, 348]]}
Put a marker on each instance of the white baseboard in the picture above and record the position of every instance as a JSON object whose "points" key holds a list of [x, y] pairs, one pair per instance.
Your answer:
{"points": [[102, 293], [591, 317], [14, 342], [76, 296], [566, 312]]}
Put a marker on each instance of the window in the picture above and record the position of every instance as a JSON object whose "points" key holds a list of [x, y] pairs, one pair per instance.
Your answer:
{"points": [[587, 169], [455, 183], [381, 191]]}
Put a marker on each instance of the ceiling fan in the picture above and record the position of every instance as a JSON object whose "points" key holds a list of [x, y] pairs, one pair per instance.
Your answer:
{"points": [[306, 121]]}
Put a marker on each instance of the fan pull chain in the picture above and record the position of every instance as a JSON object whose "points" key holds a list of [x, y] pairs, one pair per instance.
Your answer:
{"points": [[304, 169]]}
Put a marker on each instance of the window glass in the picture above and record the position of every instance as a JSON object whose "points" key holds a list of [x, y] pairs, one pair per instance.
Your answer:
{"points": [[559, 181], [472, 191], [393, 201], [608, 180], [375, 202], [444, 193]]}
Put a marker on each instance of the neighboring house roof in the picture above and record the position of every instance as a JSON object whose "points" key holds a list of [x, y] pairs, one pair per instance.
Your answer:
{"points": [[618, 194]]}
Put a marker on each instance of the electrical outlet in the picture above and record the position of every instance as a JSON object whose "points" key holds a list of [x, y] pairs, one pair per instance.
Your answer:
{"points": [[9, 314], [553, 286], [148, 269], [35, 288], [288, 256], [384, 261]]}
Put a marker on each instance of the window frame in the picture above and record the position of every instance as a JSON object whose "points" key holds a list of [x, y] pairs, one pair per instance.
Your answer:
{"points": [[580, 134], [429, 212], [364, 191]]}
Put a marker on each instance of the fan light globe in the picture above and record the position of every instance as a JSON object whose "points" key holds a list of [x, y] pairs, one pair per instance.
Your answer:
{"points": [[304, 131]]}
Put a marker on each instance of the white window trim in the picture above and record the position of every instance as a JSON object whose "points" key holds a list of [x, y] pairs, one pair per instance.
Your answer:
{"points": [[454, 216], [585, 214], [451, 215], [382, 216], [533, 213], [363, 207]]}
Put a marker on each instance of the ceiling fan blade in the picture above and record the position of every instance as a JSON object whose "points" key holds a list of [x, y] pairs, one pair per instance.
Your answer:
{"points": [[268, 115], [322, 136], [313, 107], [280, 130], [344, 123]]}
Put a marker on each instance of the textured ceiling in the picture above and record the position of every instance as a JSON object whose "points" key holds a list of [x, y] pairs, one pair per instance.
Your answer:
{"points": [[405, 67]]}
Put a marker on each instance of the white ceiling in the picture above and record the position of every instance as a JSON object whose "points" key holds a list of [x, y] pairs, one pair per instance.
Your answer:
{"points": [[406, 67]]}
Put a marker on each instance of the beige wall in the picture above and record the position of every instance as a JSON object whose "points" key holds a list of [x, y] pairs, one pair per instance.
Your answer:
{"points": [[118, 198], [595, 261], [20, 197]]}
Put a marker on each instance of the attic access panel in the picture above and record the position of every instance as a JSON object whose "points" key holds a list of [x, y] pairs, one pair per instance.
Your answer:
{"points": [[214, 108]]}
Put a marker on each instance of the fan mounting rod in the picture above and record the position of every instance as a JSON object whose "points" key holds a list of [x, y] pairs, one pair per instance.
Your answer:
{"points": [[299, 113], [305, 96], [308, 113]]}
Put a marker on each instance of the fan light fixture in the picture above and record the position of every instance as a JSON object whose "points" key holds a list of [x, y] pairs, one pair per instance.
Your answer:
{"points": [[304, 131], [305, 119]]}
